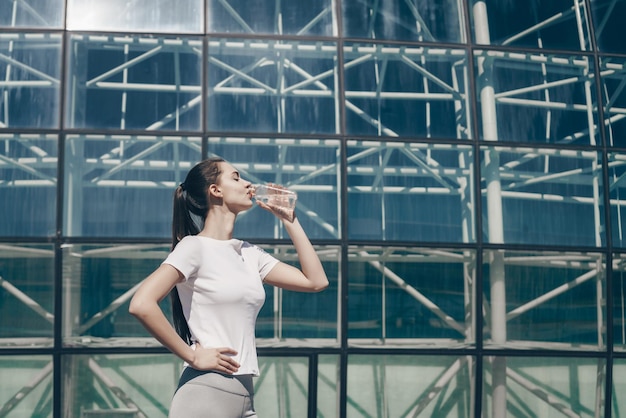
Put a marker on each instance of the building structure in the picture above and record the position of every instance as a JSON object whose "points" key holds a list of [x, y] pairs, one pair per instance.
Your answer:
{"points": [[459, 165]]}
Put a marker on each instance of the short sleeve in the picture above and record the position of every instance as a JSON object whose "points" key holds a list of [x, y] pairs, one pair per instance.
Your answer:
{"points": [[265, 262], [185, 257]]}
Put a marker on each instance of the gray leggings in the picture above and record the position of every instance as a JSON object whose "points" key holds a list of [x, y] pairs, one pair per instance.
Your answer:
{"points": [[210, 394]]}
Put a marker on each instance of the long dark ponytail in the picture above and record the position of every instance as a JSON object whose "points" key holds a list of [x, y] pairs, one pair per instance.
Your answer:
{"points": [[191, 201]]}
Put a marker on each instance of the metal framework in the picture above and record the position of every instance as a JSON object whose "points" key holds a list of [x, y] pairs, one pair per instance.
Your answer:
{"points": [[316, 85]]}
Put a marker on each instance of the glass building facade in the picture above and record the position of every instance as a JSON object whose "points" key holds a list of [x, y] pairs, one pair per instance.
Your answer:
{"points": [[459, 165]]}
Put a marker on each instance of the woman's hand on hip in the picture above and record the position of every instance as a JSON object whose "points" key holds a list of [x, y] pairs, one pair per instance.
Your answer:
{"points": [[217, 359]]}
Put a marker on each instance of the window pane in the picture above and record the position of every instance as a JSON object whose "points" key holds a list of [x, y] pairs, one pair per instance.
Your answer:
{"points": [[26, 295], [417, 20], [533, 97], [134, 82], [26, 386], [30, 67], [608, 22], [282, 390], [28, 174], [303, 17], [614, 97], [617, 194], [410, 192], [544, 300], [410, 386], [99, 281], [547, 387], [272, 86], [328, 385], [619, 387], [32, 13], [552, 24], [122, 185], [619, 302], [406, 91], [138, 16], [410, 296], [120, 385], [542, 196], [297, 318], [310, 167]]}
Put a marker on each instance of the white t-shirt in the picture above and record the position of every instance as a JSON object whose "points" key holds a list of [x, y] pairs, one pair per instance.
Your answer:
{"points": [[222, 293]]}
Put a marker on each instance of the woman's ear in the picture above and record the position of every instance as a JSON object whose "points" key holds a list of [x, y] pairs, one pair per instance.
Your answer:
{"points": [[215, 191]]}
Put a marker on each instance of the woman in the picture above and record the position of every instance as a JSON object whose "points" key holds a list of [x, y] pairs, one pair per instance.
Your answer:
{"points": [[216, 283]]}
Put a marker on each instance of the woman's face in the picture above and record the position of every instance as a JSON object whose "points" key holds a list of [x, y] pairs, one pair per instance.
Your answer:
{"points": [[236, 192]]}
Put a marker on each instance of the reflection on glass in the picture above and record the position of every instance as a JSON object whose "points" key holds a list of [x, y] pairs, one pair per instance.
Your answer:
{"points": [[26, 295], [296, 318], [32, 13], [619, 387], [613, 74], [136, 16], [26, 386], [617, 194], [619, 302], [30, 67], [310, 167], [99, 281], [28, 185], [410, 386], [272, 86], [410, 192], [542, 196], [554, 24], [543, 387], [302, 17], [327, 385], [416, 20], [534, 97], [405, 91], [122, 185], [410, 296], [282, 388], [119, 385], [134, 82], [608, 22], [544, 300]]}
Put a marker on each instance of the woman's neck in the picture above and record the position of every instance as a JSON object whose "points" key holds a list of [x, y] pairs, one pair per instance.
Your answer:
{"points": [[219, 225]]}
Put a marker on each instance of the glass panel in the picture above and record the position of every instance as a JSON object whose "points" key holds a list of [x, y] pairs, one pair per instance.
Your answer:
{"points": [[302, 17], [410, 192], [26, 295], [99, 281], [608, 22], [136, 16], [122, 185], [542, 196], [119, 385], [406, 91], [544, 300], [411, 296], [272, 86], [619, 302], [32, 13], [297, 318], [28, 174], [26, 386], [410, 386], [282, 390], [30, 67], [617, 194], [549, 387], [309, 167], [416, 20], [533, 97], [551, 24], [613, 77], [328, 385], [619, 387], [134, 82]]}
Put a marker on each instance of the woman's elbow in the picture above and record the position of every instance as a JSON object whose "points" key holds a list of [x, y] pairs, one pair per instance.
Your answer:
{"points": [[323, 284], [138, 307]]}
